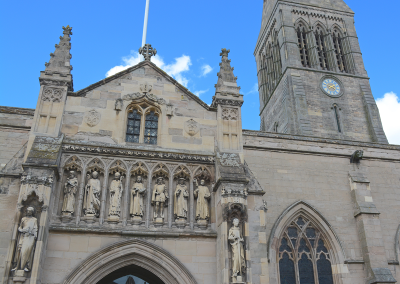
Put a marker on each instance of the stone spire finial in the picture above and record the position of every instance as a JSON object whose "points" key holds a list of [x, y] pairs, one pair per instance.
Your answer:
{"points": [[226, 79], [147, 51], [60, 60]]}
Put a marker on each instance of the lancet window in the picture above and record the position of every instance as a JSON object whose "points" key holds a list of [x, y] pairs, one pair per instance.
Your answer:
{"points": [[336, 114], [271, 67], [303, 255], [303, 46], [150, 132], [142, 124], [338, 45], [321, 48]]}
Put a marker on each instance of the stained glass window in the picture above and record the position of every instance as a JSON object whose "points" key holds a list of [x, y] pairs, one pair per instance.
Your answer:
{"points": [[151, 128], [303, 256], [133, 128]]}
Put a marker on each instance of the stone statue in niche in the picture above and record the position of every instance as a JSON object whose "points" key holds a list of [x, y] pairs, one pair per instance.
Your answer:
{"points": [[238, 259], [116, 190], [27, 238], [137, 194], [159, 199], [91, 198], [70, 190], [180, 201], [202, 193]]}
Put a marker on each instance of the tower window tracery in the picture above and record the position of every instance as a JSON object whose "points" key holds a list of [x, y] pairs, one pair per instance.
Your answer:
{"points": [[303, 255], [338, 45], [321, 48], [303, 47], [270, 67]]}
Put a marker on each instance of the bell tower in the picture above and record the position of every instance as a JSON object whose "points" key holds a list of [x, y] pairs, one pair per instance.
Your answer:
{"points": [[311, 76]]}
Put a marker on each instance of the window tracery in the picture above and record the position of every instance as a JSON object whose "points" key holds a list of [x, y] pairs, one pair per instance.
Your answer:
{"points": [[338, 46], [142, 124], [303, 255], [336, 112]]}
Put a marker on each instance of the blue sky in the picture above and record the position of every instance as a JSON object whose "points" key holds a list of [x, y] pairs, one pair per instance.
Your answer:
{"points": [[105, 32]]}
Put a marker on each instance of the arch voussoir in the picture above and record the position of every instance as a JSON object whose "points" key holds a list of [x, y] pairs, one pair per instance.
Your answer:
{"points": [[132, 252]]}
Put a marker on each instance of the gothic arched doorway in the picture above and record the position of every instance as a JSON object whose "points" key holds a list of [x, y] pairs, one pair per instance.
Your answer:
{"points": [[131, 274], [136, 257]]}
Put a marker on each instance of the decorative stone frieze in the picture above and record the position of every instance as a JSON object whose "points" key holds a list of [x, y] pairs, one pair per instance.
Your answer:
{"points": [[227, 102], [230, 114], [229, 159], [135, 153]]}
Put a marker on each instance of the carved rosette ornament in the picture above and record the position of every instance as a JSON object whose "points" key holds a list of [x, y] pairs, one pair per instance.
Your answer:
{"points": [[92, 117]]}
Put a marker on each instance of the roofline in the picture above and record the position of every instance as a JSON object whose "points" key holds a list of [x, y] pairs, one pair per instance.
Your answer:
{"points": [[82, 92]]}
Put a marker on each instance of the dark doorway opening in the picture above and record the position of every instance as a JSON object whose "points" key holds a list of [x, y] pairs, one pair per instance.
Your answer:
{"points": [[138, 274]]}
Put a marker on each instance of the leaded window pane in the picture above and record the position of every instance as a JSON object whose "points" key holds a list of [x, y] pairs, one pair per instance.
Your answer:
{"points": [[286, 270], [133, 127], [284, 246], [324, 270], [306, 270], [151, 128]]}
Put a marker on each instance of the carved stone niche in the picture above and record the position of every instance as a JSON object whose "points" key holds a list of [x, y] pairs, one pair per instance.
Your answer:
{"points": [[91, 199], [181, 195], [30, 210], [202, 194], [235, 215], [138, 192], [159, 195], [115, 189], [69, 189]]}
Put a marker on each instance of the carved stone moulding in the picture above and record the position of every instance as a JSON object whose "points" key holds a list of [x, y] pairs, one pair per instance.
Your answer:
{"points": [[231, 211], [228, 102], [142, 154]]}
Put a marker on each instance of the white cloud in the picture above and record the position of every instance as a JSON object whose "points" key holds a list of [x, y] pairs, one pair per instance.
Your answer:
{"points": [[205, 69], [181, 65], [389, 108], [199, 93], [254, 89]]}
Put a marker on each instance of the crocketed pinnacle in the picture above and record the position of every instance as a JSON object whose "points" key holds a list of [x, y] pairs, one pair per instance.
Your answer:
{"points": [[60, 60], [226, 80]]}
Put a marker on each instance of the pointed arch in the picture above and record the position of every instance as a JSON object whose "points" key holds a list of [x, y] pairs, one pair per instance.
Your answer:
{"points": [[303, 207], [132, 252], [303, 246], [338, 44], [302, 31], [320, 41]]}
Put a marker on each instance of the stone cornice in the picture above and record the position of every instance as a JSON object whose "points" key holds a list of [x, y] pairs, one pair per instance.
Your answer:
{"points": [[125, 151], [17, 110], [318, 140], [227, 102]]}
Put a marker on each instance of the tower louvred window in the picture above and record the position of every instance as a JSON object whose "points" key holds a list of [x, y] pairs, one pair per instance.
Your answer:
{"points": [[320, 41], [303, 255], [303, 47], [338, 45]]}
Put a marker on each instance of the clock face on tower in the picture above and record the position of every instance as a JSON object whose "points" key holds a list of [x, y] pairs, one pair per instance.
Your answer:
{"points": [[331, 87]]}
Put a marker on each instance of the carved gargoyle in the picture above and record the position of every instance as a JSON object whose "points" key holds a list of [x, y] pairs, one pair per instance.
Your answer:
{"points": [[356, 157]]}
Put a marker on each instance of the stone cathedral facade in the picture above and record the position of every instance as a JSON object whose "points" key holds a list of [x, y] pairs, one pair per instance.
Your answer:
{"points": [[134, 176]]}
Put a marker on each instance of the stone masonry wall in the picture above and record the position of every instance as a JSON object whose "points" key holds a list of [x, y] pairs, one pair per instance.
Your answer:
{"points": [[112, 125], [15, 124], [65, 252], [318, 173]]}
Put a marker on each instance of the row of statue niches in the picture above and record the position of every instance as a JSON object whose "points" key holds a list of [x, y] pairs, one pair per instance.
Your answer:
{"points": [[139, 199]]}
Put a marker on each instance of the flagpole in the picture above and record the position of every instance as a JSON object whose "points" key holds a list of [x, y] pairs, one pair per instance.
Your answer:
{"points": [[146, 19]]}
